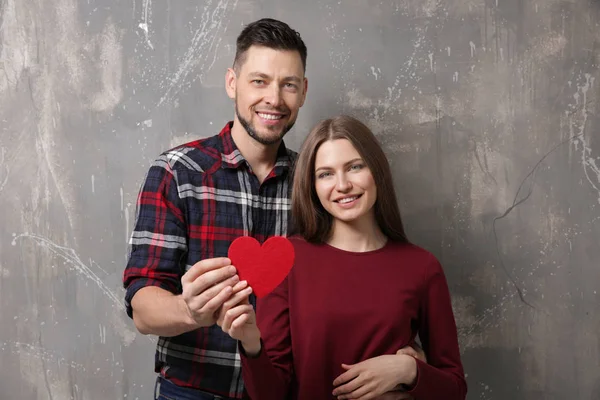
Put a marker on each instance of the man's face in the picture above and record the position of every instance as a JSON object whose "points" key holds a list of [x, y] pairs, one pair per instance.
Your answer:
{"points": [[269, 88]]}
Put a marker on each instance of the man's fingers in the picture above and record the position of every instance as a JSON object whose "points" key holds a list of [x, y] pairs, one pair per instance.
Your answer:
{"points": [[202, 267], [239, 286], [346, 390], [346, 376], [237, 298], [212, 291], [211, 307], [409, 351], [420, 353], [417, 353], [209, 279], [363, 393], [394, 396]]}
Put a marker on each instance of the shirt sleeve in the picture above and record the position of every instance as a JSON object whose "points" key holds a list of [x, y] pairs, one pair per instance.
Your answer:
{"points": [[443, 376], [159, 239], [268, 376]]}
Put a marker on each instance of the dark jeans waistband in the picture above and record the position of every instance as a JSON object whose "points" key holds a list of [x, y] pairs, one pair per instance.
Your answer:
{"points": [[167, 390]]}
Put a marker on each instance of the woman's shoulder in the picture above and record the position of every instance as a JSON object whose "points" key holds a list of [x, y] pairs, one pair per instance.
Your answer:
{"points": [[300, 243], [414, 252]]}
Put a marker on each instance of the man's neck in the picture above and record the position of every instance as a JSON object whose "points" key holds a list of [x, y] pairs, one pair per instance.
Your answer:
{"points": [[261, 157]]}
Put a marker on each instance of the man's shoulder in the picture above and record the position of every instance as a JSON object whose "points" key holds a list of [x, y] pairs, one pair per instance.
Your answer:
{"points": [[199, 155], [293, 155]]}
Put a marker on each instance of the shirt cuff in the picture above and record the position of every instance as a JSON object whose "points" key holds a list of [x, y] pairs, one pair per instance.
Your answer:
{"points": [[139, 283]]}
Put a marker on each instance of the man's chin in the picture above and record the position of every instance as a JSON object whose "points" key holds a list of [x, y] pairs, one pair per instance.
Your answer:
{"points": [[271, 136], [269, 139]]}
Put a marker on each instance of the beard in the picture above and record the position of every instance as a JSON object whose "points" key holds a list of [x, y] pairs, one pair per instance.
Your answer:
{"points": [[262, 139]]}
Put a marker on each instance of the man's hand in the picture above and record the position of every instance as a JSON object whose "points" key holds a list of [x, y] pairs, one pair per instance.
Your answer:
{"points": [[413, 350], [372, 378], [394, 395], [206, 286]]}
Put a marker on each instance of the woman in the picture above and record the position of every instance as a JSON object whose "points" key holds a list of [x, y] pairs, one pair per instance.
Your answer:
{"points": [[358, 291]]}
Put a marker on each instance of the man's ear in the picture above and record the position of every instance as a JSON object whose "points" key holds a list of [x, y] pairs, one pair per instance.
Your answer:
{"points": [[305, 90], [230, 82]]}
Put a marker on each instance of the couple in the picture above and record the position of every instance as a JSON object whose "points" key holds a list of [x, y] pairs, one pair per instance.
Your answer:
{"points": [[340, 324]]}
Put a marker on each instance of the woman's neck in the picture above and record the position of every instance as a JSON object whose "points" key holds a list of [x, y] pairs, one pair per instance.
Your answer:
{"points": [[359, 236]]}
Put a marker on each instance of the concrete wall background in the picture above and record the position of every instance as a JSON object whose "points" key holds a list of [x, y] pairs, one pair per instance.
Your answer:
{"points": [[488, 110]]}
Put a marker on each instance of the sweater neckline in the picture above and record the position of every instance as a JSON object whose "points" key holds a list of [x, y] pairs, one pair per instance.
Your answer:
{"points": [[359, 253]]}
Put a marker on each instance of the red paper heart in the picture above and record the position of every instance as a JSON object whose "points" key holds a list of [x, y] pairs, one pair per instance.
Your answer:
{"points": [[263, 267]]}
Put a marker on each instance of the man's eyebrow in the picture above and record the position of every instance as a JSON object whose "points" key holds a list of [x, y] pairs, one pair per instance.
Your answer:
{"points": [[291, 78], [258, 75]]}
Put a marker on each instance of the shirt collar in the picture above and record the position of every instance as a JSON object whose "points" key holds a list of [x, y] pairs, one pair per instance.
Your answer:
{"points": [[232, 158]]}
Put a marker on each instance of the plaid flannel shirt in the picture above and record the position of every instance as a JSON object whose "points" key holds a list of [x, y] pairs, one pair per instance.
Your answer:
{"points": [[196, 199]]}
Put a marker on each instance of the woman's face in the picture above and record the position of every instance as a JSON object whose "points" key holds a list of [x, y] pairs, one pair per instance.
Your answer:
{"points": [[343, 182]]}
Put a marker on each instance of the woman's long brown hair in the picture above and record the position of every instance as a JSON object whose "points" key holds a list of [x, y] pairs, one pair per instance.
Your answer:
{"points": [[309, 218]]}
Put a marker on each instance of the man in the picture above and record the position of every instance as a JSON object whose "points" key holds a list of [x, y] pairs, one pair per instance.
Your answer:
{"points": [[197, 198]]}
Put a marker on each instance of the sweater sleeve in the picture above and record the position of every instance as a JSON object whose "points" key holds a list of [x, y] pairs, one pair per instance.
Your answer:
{"points": [[268, 376], [443, 377]]}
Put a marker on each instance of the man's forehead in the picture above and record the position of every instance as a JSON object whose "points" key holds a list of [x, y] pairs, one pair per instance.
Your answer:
{"points": [[257, 56]]}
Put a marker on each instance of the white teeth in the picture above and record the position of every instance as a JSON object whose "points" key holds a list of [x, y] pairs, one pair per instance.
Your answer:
{"points": [[348, 199], [270, 116]]}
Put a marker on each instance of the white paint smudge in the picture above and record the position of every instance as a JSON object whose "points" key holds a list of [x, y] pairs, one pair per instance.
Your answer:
{"points": [[71, 258], [455, 76], [448, 49], [577, 129], [431, 62], [4, 272], [111, 54], [38, 353], [3, 167], [144, 26], [121, 193], [472, 48], [375, 72], [15, 53], [93, 184], [127, 222], [203, 51], [102, 333]]}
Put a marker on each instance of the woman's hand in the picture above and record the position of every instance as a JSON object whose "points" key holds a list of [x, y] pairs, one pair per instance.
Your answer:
{"points": [[237, 319], [372, 378]]}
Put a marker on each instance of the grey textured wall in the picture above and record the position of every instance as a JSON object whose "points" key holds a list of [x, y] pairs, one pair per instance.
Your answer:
{"points": [[488, 110]]}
